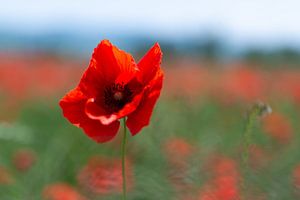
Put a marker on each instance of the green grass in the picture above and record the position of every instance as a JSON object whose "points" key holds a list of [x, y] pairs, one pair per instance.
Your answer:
{"points": [[63, 149]]}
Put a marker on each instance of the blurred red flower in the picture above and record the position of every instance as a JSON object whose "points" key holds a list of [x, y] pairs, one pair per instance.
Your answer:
{"points": [[103, 176], [242, 84], [113, 87], [278, 127], [5, 176], [23, 159], [61, 191], [178, 151], [296, 178], [258, 157], [221, 188], [225, 182]]}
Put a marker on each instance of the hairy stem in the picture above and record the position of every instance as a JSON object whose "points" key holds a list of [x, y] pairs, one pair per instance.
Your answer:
{"points": [[251, 118], [259, 109]]}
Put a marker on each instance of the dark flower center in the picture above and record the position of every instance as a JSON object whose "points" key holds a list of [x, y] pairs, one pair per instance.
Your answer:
{"points": [[116, 96]]}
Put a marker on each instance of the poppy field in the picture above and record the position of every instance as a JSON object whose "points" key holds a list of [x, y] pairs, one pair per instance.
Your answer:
{"points": [[200, 143]]}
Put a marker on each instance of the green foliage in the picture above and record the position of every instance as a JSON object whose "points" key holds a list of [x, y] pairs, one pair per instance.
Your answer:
{"points": [[62, 149]]}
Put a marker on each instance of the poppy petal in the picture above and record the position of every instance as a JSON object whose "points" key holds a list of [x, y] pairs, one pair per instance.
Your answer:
{"points": [[92, 81], [99, 132], [141, 116], [111, 61], [125, 78], [150, 64], [124, 60], [95, 112], [73, 106], [107, 63]]}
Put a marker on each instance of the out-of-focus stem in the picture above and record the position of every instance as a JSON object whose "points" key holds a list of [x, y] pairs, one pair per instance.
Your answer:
{"points": [[259, 109], [251, 118]]}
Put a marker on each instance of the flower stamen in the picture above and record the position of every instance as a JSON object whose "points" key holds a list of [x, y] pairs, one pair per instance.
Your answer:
{"points": [[116, 96]]}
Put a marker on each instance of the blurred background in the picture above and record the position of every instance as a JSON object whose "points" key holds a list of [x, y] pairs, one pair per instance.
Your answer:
{"points": [[220, 59]]}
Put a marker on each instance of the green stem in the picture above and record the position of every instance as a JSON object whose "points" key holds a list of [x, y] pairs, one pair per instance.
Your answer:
{"points": [[123, 158], [259, 109], [247, 134]]}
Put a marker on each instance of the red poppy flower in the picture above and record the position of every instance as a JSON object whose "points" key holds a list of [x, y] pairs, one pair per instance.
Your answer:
{"points": [[61, 191], [5, 176], [278, 127], [113, 87], [225, 180], [103, 176], [178, 152], [23, 159], [296, 178]]}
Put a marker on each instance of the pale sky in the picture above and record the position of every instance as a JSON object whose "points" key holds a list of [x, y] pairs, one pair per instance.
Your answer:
{"points": [[241, 19]]}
